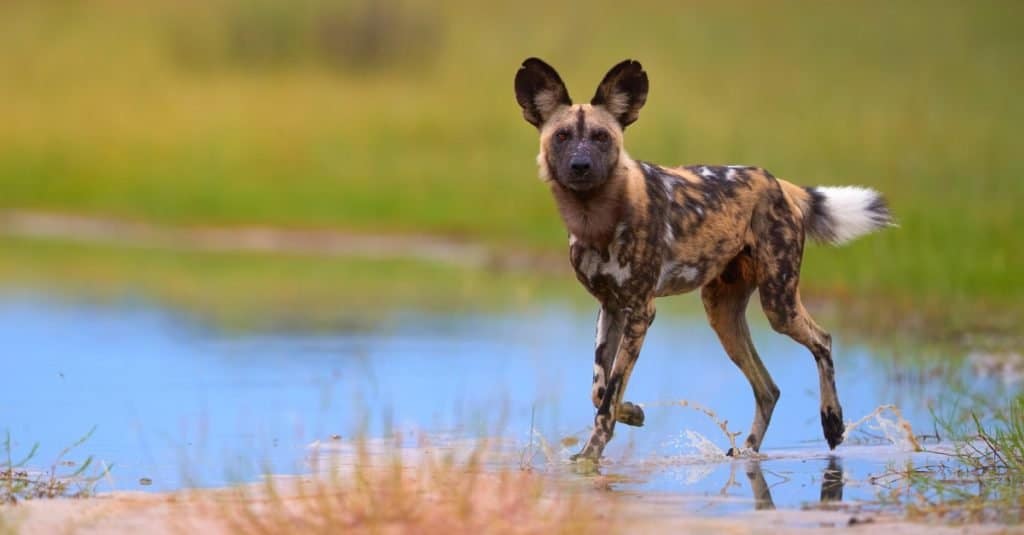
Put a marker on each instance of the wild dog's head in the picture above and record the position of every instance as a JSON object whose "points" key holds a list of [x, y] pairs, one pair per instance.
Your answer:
{"points": [[580, 145]]}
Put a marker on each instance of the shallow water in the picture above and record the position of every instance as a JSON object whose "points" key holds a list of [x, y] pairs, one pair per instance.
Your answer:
{"points": [[180, 403]]}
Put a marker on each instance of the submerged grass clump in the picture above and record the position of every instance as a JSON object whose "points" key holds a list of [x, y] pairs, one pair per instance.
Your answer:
{"points": [[63, 479]]}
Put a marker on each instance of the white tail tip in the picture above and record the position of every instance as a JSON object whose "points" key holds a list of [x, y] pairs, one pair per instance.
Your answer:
{"points": [[840, 214]]}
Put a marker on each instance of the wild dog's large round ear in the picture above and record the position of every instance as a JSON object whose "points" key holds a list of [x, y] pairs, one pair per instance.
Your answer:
{"points": [[539, 91], [623, 91]]}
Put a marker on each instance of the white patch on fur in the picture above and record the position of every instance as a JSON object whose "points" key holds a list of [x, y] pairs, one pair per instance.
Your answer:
{"points": [[620, 273], [849, 209], [663, 276], [670, 237], [572, 240], [602, 328], [730, 175], [591, 265], [670, 185], [620, 229], [706, 173], [590, 260], [671, 271]]}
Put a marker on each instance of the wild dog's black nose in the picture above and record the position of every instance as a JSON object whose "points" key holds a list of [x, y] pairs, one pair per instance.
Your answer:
{"points": [[580, 165]]}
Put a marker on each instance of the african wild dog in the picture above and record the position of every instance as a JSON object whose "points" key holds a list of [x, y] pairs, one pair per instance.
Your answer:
{"points": [[638, 231]]}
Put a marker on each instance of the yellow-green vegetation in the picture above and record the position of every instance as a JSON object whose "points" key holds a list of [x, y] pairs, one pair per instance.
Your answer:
{"points": [[447, 492], [357, 487], [400, 117]]}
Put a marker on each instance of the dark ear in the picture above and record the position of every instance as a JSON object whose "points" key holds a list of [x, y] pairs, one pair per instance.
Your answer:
{"points": [[540, 91], [623, 91]]}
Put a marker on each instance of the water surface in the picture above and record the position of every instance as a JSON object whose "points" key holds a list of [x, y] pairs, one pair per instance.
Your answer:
{"points": [[181, 403]]}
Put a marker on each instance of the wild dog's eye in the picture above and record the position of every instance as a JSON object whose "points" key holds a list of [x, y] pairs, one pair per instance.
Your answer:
{"points": [[600, 136], [562, 136]]}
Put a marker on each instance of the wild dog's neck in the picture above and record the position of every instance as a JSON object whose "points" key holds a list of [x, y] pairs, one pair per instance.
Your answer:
{"points": [[592, 217]]}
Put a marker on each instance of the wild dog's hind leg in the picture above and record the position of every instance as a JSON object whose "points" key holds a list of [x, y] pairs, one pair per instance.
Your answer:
{"points": [[725, 300], [802, 328], [778, 253], [609, 333], [633, 333]]}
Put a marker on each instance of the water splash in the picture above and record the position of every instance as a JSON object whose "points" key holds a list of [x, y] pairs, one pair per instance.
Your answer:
{"points": [[691, 457], [722, 424], [896, 430], [702, 446]]}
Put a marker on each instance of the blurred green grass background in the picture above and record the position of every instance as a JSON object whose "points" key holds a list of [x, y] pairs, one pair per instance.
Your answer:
{"points": [[399, 117]]}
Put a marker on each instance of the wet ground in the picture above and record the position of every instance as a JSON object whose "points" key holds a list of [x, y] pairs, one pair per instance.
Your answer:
{"points": [[179, 403]]}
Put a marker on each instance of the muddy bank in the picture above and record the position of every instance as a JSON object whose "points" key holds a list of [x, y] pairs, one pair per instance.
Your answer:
{"points": [[89, 229], [500, 503]]}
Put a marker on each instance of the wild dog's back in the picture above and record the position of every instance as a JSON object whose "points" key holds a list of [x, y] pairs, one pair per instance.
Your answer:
{"points": [[710, 209], [706, 220]]}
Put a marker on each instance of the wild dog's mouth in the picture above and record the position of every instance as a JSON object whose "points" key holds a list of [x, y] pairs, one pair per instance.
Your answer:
{"points": [[582, 183]]}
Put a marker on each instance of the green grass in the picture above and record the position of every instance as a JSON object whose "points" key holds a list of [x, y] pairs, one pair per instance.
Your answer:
{"points": [[106, 113], [21, 480], [984, 477]]}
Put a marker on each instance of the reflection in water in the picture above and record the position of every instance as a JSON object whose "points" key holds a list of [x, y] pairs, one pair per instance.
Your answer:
{"points": [[831, 483], [762, 494]]}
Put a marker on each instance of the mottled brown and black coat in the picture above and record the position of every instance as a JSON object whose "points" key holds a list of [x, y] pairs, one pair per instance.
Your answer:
{"points": [[638, 231]]}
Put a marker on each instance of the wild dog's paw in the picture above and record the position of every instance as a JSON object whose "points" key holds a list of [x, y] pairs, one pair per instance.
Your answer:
{"points": [[832, 425], [585, 467], [586, 455], [741, 452], [630, 414]]}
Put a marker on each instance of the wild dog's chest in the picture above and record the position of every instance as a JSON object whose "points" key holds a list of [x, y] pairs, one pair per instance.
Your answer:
{"points": [[618, 274]]}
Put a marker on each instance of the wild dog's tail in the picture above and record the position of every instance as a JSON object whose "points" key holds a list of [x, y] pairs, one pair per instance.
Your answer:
{"points": [[838, 214]]}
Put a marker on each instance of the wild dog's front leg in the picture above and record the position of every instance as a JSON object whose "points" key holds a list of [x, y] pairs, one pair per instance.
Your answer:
{"points": [[610, 324], [634, 330], [606, 343]]}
